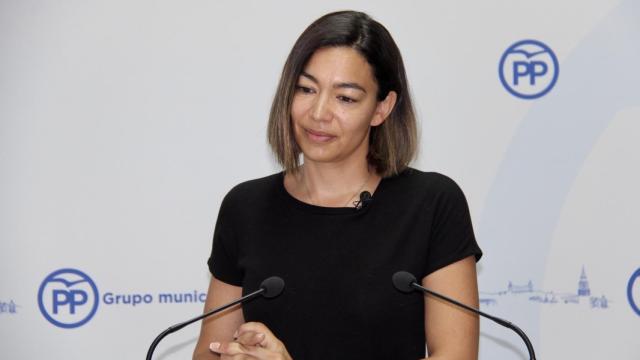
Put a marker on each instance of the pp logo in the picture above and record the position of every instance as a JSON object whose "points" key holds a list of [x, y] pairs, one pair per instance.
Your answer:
{"points": [[68, 298], [528, 69], [633, 291]]}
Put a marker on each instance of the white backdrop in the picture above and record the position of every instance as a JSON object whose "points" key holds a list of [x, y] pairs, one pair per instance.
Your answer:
{"points": [[124, 123]]}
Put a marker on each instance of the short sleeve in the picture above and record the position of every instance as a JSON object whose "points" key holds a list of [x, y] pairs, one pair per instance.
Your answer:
{"points": [[223, 262], [451, 237]]}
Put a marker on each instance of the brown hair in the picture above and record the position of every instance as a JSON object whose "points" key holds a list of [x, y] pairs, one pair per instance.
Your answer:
{"points": [[392, 145]]}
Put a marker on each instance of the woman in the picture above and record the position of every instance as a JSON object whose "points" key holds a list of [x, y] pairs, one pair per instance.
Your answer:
{"points": [[343, 105]]}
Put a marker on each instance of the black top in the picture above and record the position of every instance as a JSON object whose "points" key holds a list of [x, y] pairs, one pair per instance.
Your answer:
{"points": [[339, 301]]}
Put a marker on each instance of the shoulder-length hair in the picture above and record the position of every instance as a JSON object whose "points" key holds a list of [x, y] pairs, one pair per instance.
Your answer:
{"points": [[392, 145]]}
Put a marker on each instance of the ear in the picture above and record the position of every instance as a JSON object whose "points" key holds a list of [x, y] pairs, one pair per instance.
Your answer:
{"points": [[384, 108]]}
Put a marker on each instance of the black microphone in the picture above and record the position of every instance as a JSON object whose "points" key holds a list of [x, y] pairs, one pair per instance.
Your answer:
{"points": [[365, 200], [269, 288], [406, 282]]}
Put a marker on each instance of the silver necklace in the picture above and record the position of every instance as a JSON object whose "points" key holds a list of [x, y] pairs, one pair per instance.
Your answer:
{"points": [[355, 203]]}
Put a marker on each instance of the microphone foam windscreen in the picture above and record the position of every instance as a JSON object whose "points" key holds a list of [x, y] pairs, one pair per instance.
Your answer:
{"points": [[272, 286], [402, 281]]}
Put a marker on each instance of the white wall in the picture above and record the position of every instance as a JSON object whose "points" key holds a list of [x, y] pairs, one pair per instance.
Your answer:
{"points": [[124, 123]]}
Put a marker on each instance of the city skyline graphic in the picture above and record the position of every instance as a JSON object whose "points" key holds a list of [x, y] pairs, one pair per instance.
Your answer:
{"points": [[583, 294]]}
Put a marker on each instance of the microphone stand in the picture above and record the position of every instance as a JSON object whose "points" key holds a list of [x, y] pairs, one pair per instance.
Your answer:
{"points": [[179, 326], [532, 355]]}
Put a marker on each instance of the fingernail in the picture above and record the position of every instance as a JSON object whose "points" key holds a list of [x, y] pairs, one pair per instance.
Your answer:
{"points": [[215, 346], [260, 336]]}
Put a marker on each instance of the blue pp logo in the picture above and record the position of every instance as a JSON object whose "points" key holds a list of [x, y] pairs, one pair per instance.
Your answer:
{"points": [[528, 69], [633, 291], [68, 298]]}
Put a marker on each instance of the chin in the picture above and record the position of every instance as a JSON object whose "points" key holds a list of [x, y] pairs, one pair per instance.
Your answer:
{"points": [[319, 156]]}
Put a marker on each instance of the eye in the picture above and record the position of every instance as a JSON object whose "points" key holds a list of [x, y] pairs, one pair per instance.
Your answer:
{"points": [[304, 89], [346, 99]]}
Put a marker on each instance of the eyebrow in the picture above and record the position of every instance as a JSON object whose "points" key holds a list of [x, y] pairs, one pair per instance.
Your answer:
{"points": [[342, 85]]}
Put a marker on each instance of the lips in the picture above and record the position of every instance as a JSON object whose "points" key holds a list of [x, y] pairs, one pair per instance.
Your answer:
{"points": [[318, 136]]}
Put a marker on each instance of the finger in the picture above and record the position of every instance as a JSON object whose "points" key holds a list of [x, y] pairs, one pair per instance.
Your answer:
{"points": [[258, 353], [250, 338], [237, 357], [231, 348], [236, 351], [270, 341], [255, 327]]}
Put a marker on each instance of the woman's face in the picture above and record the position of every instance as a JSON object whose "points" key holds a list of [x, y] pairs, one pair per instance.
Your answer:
{"points": [[335, 104]]}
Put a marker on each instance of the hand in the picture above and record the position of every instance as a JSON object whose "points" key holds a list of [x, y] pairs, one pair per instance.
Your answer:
{"points": [[253, 340], [246, 341]]}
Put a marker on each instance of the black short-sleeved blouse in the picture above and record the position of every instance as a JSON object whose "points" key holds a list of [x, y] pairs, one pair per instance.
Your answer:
{"points": [[337, 263]]}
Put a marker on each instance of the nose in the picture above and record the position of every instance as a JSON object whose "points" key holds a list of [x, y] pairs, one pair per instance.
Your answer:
{"points": [[321, 110]]}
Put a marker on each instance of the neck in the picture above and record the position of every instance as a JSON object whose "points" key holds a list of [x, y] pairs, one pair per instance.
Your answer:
{"points": [[335, 184]]}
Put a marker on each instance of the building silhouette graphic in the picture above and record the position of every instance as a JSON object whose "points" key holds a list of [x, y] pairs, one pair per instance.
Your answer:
{"points": [[527, 292], [520, 288], [583, 284]]}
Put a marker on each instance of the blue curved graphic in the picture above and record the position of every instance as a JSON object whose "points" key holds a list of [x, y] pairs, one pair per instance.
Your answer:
{"points": [[600, 77], [56, 277], [632, 301]]}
